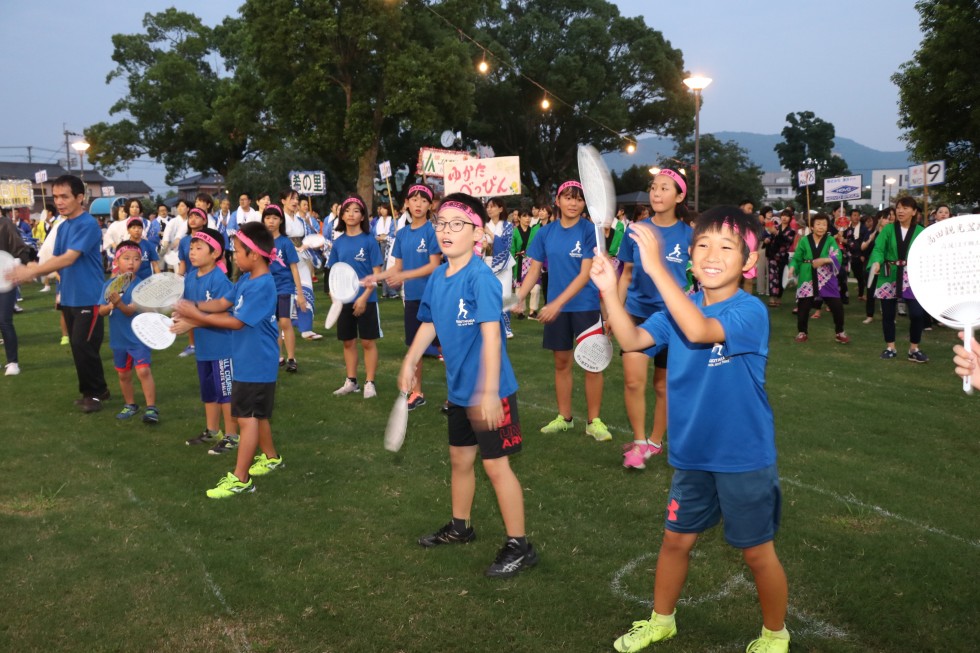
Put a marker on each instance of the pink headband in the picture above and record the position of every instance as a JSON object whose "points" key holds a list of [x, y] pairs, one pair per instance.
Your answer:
{"points": [[667, 172], [751, 241], [119, 252], [199, 212], [215, 245], [569, 184], [425, 190], [459, 206], [353, 200], [134, 220], [274, 207], [245, 240]]}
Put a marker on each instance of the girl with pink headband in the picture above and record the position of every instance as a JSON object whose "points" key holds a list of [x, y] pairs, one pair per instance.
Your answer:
{"points": [[197, 219], [668, 192], [284, 267], [567, 245], [360, 318]]}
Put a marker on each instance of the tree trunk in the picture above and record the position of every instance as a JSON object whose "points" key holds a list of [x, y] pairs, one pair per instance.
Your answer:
{"points": [[366, 167]]}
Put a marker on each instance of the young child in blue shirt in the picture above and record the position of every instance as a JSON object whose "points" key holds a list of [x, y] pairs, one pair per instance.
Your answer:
{"points": [[254, 354], [197, 219], [358, 319], [149, 259], [462, 304], [416, 255], [209, 281], [285, 272], [566, 245], [128, 351], [724, 454]]}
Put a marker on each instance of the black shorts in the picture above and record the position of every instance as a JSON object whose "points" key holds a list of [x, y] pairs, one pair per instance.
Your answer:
{"points": [[660, 360], [560, 335], [252, 399], [412, 323], [365, 327], [284, 306], [505, 441]]}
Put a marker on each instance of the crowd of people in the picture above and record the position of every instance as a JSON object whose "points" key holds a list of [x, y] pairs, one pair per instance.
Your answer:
{"points": [[676, 288]]}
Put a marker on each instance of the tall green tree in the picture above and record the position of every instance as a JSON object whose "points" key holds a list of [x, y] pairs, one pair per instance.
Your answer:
{"points": [[610, 77], [939, 93], [185, 106], [338, 74], [808, 142], [728, 176], [633, 179]]}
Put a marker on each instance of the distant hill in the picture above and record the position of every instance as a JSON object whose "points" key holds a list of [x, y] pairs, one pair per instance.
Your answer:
{"points": [[860, 159]]}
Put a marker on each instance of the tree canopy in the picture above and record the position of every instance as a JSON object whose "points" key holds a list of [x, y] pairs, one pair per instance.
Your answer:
{"points": [[808, 142], [728, 176], [939, 93]]}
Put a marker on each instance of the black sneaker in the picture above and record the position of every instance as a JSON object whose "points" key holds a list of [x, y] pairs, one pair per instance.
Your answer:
{"points": [[448, 535], [511, 560], [918, 357], [226, 444], [291, 365], [151, 415], [417, 401], [205, 437], [445, 408], [105, 396]]}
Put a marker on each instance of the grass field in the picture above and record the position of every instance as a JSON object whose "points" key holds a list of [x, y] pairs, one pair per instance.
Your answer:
{"points": [[109, 543]]}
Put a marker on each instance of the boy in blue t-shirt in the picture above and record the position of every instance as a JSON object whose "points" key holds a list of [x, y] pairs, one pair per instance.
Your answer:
{"points": [[254, 355], [723, 440], [462, 303], [127, 350], [285, 272], [148, 254], [213, 352], [416, 255], [197, 219], [566, 246]]}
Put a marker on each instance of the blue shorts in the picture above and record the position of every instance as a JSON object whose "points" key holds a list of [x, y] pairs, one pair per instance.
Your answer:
{"points": [[560, 335], [215, 378], [749, 502], [412, 323], [284, 306], [127, 359]]}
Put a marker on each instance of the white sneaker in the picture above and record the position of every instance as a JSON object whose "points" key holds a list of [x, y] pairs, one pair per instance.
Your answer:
{"points": [[188, 351], [310, 335], [348, 387], [370, 391], [13, 369]]}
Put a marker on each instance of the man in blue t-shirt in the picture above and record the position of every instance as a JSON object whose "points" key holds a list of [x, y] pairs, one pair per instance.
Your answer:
{"points": [[78, 257]]}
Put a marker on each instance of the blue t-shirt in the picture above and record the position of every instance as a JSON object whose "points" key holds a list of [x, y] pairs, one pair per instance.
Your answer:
{"points": [[82, 281], [643, 299], [564, 249], [414, 247], [254, 347], [282, 274], [184, 253], [361, 252], [719, 418], [148, 254], [121, 336], [457, 305], [211, 344]]}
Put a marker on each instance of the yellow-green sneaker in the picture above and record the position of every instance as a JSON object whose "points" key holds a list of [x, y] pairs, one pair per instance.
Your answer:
{"points": [[598, 430], [229, 486], [263, 465], [769, 642], [558, 425], [644, 633]]}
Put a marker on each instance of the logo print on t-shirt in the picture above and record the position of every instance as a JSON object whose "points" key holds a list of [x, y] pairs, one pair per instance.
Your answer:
{"points": [[463, 313], [717, 356], [675, 254], [241, 302], [361, 256], [577, 250], [421, 248]]}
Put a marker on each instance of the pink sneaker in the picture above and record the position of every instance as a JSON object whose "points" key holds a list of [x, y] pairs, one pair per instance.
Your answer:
{"points": [[638, 454]]}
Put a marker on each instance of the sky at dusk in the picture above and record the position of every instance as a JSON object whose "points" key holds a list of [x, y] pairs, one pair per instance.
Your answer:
{"points": [[766, 58]]}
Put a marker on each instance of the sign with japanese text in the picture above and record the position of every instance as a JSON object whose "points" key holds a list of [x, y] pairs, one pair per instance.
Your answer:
{"points": [[108, 191], [385, 169], [484, 177], [308, 182], [40, 176], [431, 160], [839, 189], [806, 177], [932, 173], [16, 192]]}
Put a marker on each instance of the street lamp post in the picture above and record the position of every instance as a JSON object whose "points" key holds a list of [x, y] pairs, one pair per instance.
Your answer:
{"points": [[697, 83], [81, 147], [890, 182]]}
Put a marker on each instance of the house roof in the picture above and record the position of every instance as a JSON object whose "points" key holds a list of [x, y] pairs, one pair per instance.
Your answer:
{"points": [[128, 186], [206, 179], [24, 170]]}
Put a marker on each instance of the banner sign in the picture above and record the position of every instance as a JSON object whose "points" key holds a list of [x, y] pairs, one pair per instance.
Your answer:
{"points": [[385, 169], [308, 182], [933, 173], [484, 177], [40, 176], [431, 160], [16, 192], [839, 189], [806, 177]]}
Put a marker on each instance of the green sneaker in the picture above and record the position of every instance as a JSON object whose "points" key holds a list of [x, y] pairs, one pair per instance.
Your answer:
{"points": [[263, 465], [229, 486], [769, 642], [598, 430], [558, 425], [128, 411], [644, 633]]}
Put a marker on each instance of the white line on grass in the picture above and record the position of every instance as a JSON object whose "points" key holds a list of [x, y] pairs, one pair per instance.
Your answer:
{"points": [[237, 634], [735, 584], [851, 500]]}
